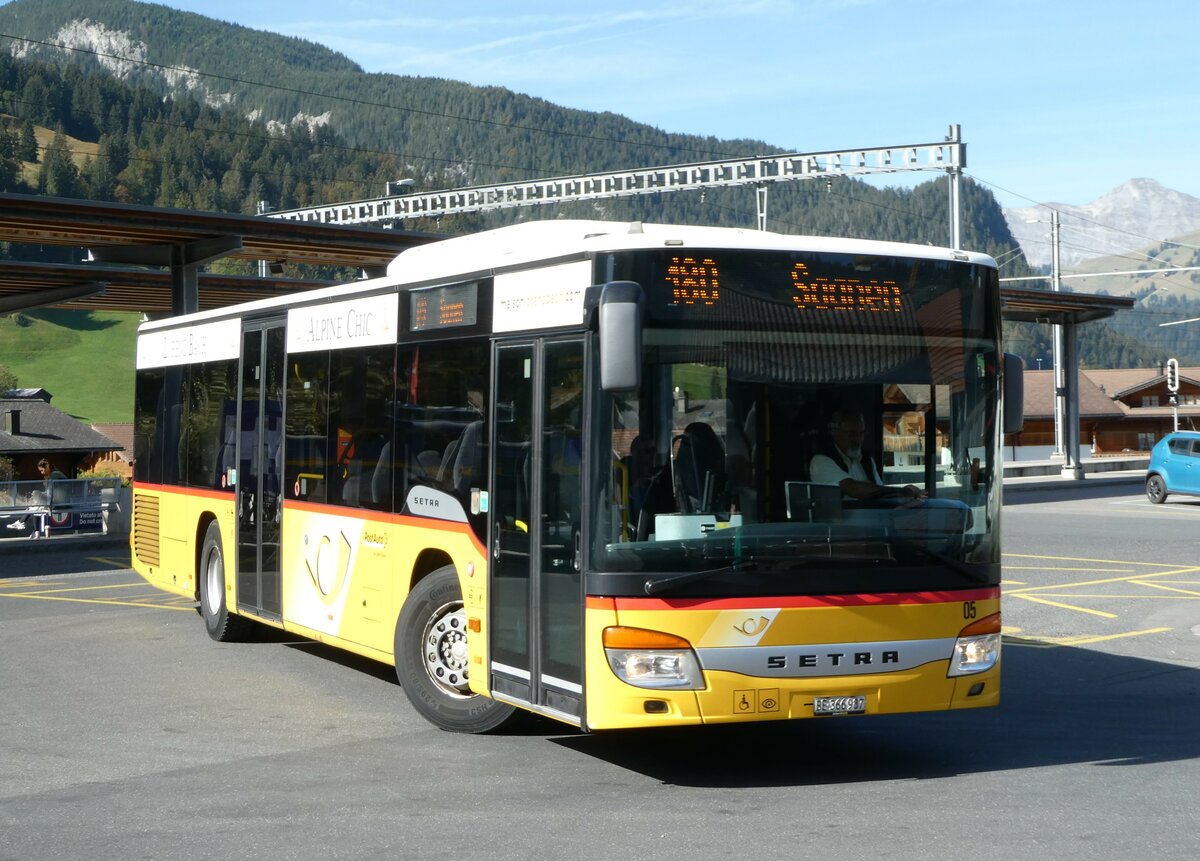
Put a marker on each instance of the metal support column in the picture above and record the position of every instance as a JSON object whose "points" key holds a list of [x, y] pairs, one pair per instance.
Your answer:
{"points": [[1059, 348], [184, 261], [954, 172], [1071, 468], [760, 196]]}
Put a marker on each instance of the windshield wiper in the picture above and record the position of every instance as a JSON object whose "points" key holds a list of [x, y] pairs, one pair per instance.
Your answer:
{"points": [[654, 585]]}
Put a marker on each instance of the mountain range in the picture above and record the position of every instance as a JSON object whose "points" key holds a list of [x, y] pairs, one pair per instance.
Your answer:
{"points": [[1127, 219]]}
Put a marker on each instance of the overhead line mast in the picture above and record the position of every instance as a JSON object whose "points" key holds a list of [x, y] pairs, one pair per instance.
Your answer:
{"points": [[948, 155]]}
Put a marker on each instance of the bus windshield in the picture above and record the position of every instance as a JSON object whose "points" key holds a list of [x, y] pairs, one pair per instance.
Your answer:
{"points": [[726, 472]]}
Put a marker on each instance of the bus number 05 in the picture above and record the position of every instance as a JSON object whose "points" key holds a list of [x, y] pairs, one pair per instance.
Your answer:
{"points": [[968, 609]]}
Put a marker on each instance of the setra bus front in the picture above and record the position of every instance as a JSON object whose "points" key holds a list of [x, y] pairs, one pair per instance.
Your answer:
{"points": [[794, 489]]}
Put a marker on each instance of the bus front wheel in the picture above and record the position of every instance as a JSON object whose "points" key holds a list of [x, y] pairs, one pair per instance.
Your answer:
{"points": [[431, 659], [221, 624]]}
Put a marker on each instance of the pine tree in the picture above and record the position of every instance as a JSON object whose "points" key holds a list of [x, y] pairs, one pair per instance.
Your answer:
{"points": [[28, 147], [59, 176], [10, 165]]}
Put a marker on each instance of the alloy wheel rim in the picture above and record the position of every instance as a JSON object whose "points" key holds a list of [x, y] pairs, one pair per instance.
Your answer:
{"points": [[444, 649]]}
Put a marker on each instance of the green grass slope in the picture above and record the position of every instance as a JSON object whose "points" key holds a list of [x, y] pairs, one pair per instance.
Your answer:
{"points": [[85, 359]]}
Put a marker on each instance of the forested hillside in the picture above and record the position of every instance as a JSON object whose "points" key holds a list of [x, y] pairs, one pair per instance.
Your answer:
{"points": [[183, 111]]}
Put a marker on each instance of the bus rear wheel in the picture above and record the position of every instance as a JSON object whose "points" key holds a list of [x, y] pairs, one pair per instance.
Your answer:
{"points": [[222, 626], [431, 659]]}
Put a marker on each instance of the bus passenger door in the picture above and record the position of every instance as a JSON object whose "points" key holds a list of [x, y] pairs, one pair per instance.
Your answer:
{"points": [[536, 586], [260, 469]]}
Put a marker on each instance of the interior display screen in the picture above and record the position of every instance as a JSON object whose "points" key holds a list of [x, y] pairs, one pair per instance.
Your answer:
{"points": [[443, 307]]}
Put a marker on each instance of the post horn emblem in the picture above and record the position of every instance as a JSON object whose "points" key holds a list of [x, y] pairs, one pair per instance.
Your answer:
{"points": [[753, 627]]}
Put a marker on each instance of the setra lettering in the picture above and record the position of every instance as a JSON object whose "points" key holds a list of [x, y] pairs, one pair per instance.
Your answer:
{"points": [[802, 661]]}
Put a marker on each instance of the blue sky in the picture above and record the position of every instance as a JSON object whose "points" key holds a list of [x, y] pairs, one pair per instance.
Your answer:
{"points": [[1059, 100]]}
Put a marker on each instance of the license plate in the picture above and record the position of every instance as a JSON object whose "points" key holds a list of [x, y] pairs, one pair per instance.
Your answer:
{"points": [[839, 705]]}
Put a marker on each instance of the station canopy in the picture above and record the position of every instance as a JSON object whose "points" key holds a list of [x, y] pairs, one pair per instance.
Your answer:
{"points": [[146, 259], [1025, 305]]}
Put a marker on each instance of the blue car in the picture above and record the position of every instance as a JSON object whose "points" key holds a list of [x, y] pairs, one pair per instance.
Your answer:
{"points": [[1174, 466]]}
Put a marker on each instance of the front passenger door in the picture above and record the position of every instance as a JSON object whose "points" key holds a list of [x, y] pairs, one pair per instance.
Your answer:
{"points": [[536, 582]]}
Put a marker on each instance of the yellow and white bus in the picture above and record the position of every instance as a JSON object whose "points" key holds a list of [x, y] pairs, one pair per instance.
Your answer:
{"points": [[565, 467]]}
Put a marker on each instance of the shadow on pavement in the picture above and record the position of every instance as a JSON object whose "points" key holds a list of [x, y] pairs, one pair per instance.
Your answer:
{"points": [[70, 554], [1058, 706]]}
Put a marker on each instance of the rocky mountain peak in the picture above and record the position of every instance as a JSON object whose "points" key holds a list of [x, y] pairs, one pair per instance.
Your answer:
{"points": [[1131, 216]]}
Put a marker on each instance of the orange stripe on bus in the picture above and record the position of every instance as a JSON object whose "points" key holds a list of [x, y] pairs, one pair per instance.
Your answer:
{"points": [[372, 516], [203, 492]]}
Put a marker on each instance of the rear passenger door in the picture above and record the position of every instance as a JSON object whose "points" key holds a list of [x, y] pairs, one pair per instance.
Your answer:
{"points": [[260, 468]]}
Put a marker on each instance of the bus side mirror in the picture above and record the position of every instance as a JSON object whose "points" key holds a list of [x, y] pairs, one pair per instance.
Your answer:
{"points": [[621, 336], [1014, 393]]}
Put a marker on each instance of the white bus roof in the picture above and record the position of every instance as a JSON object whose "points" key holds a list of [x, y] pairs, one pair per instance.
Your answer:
{"points": [[528, 242]]}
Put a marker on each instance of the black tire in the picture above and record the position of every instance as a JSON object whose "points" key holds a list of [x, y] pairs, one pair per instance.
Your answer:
{"points": [[1156, 489], [222, 626], [431, 659]]}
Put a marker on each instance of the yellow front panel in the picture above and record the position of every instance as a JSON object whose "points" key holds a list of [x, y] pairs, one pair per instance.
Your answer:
{"points": [[891, 650]]}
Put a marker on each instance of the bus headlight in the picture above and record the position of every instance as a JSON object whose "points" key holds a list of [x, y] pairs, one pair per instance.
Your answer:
{"points": [[652, 659], [977, 648]]}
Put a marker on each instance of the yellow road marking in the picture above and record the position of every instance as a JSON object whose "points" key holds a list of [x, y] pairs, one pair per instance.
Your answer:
{"points": [[1105, 597], [90, 588], [1165, 588], [110, 603], [1085, 640], [1088, 559], [1055, 586], [1040, 568], [1056, 642], [108, 560], [1030, 642], [1066, 606]]}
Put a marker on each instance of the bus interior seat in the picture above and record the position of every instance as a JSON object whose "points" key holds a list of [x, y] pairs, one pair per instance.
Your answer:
{"points": [[699, 468], [813, 503], [658, 499], [428, 465], [357, 488], [563, 455], [512, 464], [468, 459], [381, 479], [446, 469]]}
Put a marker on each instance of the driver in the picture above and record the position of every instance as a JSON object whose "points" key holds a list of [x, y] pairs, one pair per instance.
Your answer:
{"points": [[841, 461]]}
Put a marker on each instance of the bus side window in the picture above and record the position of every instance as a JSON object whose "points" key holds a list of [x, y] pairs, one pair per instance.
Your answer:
{"points": [[361, 425], [443, 436], [307, 453]]}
